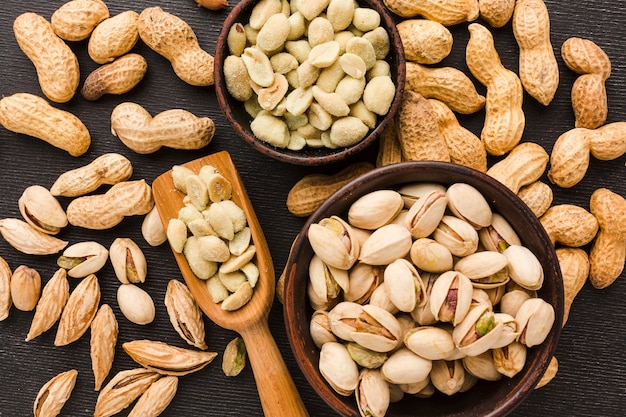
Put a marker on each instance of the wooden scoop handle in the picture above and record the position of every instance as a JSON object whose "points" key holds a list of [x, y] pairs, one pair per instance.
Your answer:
{"points": [[278, 393]]}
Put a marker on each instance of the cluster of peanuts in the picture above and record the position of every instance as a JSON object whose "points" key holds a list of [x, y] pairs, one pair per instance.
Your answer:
{"points": [[426, 127]]}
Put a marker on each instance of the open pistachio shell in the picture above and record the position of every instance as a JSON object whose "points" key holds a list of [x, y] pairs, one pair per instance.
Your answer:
{"points": [[380, 298], [417, 190], [424, 216], [535, 319], [83, 258], [386, 244], [478, 332], [482, 366], [467, 203], [404, 285], [363, 279], [319, 328], [448, 376], [338, 368], [524, 267], [405, 367], [333, 240], [451, 297], [372, 394], [457, 235], [510, 359], [327, 282], [509, 330], [377, 329], [342, 319], [499, 235], [422, 314], [430, 342], [375, 209], [42, 210], [485, 269]]}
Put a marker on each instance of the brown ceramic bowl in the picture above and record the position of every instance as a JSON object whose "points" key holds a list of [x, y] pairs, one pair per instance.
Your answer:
{"points": [[484, 399], [240, 119]]}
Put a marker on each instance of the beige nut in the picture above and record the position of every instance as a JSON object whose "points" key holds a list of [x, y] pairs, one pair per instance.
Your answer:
{"points": [[425, 41], [447, 12], [33, 116], [569, 225], [56, 64], [524, 165], [118, 77], [113, 37], [76, 19], [496, 12]]}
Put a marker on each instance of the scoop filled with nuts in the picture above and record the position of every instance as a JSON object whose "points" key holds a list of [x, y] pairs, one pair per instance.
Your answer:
{"points": [[312, 82], [421, 281]]}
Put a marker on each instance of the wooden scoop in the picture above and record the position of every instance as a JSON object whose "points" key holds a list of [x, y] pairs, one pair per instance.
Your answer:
{"points": [[277, 391]]}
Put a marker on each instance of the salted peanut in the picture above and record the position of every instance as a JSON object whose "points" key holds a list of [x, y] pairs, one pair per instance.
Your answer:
{"points": [[124, 388], [104, 331], [25, 238], [524, 165], [118, 77], [569, 225], [379, 94], [360, 111], [496, 12], [446, 84], [5, 289], [80, 310], [364, 49], [49, 307], [172, 38], [448, 12], [425, 41], [347, 131], [297, 26], [340, 13], [418, 131], [161, 392], [331, 102], [258, 66], [113, 37], [538, 196], [351, 90], [504, 117], [608, 251], [589, 100], [283, 62], [135, 304], [184, 314], [56, 64], [324, 54], [175, 128], [76, 19], [307, 74], [201, 267], [25, 288], [53, 395], [273, 35], [262, 11], [109, 169], [365, 19], [574, 264], [33, 116], [379, 38], [320, 30], [270, 97], [353, 65], [318, 117], [538, 69], [106, 210], [239, 298], [236, 39], [464, 147], [270, 129], [167, 359], [299, 49]]}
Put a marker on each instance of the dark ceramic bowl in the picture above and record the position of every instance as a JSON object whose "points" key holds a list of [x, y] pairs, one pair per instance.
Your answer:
{"points": [[240, 120], [484, 399]]}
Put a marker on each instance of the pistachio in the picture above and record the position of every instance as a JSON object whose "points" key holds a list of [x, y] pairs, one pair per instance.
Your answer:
{"points": [[482, 366], [405, 367], [319, 328], [326, 281], [375, 209], [423, 315], [372, 393], [82, 259], [430, 342], [499, 235], [343, 318], [80, 310], [53, 395], [467, 203], [478, 332], [104, 331], [415, 191], [128, 261], [234, 358], [167, 359], [535, 319], [524, 267], [184, 314], [451, 297], [136, 304], [124, 388], [457, 235], [25, 288], [380, 298], [334, 242], [510, 359], [54, 296], [338, 368], [363, 280], [431, 256], [385, 245], [404, 285], [486, 269], [376, 329], [365, 357], [42, 210], [25, 238], [512, 301], [448, 376], [5, 289], [426, 213], [152, 228]]}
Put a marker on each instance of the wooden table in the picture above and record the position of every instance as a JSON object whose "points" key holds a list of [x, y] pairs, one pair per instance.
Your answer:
{"points": [[592, 376]]}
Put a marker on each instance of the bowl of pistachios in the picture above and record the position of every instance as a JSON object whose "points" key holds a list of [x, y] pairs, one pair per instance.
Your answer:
{"points": [[423, 289], [309, 83]]}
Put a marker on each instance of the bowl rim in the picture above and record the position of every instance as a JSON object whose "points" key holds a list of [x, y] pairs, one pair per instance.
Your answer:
{"points": [[298, 335], [295, 157]]}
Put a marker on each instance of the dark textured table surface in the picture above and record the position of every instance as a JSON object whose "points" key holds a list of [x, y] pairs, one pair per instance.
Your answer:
{"points": [[592, 377]]}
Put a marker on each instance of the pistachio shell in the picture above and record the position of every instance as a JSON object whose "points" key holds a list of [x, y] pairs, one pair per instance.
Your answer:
{"points": [[510, 360], [478, 332], [451, 297], [424, 216], [431, 256], [377, 329], [375, 209], [372, 394], [423, 315], [333, 241], [524, 267], [482, 366], [404, 285], [319, 328], [42, 210], [430, 342], [499, 235], [338, 368], [457, 235], [535, 319], [128, 260], [467, 203], [363, 279], [386, 244], [486, 269], [83, 258], [448, 376], [380, 298], [326, 281], [415, 191], [512, 301], [405, 367]]}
